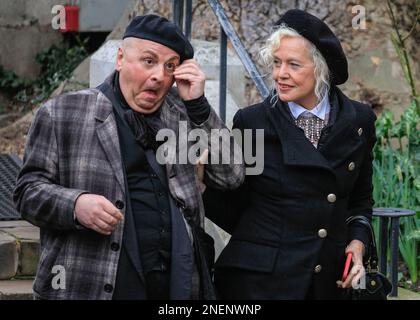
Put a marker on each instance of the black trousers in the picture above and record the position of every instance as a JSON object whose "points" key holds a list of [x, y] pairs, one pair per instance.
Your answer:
{"points": [[129, 285]]}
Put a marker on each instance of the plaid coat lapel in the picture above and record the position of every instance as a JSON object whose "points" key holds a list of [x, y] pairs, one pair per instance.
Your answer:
{"points": [[106, 132], [182, 179]]}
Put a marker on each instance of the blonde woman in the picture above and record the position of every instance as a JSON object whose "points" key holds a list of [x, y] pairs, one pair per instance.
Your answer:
{"points": [[288, 224]]}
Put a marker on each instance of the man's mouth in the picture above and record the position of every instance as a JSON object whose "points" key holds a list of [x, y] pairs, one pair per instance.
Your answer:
{"points": [[151, 92]]}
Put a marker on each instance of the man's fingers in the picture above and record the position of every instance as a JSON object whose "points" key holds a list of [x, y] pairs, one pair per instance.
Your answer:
{"points": [[187, 63], [112, 210], [108, 219], [187, 68], [102, 227], [99, 230], [190, 70], [188, 77]]}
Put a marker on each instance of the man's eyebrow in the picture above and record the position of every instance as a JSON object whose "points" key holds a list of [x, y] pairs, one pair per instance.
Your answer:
{"points": [[150, 52], [155, 55], [174, 58]]}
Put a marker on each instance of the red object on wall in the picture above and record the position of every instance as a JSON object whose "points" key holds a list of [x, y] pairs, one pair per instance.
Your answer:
{"points": [[72, 18]]}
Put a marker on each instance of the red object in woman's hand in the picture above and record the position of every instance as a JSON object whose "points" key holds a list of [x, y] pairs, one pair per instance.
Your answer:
{"points": [[347, 266]]}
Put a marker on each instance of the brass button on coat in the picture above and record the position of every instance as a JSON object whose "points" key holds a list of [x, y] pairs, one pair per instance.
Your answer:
{"points": [[322, 233], [331, 198], [360, 131], [352, 165], [318, 268]]}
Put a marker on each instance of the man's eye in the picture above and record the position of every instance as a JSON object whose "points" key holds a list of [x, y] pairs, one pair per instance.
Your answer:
{"points": [[295, 65], [148, 61], [277, 63], [171, 66]]}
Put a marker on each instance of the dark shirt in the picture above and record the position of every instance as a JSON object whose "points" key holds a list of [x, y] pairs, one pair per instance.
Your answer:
{"points": [[148, 197]]}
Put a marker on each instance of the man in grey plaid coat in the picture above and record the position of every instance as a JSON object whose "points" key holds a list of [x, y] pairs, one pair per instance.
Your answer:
{"points": [[115, 223]]}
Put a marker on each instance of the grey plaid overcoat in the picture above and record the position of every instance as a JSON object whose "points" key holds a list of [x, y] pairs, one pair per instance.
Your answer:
{"points": [[73, 148]]}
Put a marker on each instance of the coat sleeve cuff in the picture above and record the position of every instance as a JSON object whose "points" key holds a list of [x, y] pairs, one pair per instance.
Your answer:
{"points": [[359, 232], [77, 224], [198, 110]]}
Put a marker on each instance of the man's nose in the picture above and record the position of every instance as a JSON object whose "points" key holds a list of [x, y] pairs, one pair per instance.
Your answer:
{"points": [[158, 72]]}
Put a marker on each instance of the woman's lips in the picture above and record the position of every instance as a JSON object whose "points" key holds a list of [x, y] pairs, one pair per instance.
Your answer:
{"points": [[284, 87]]}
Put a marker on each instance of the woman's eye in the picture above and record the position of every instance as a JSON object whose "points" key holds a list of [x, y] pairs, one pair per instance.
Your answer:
{"points": [[295, 65], [277, 63]]}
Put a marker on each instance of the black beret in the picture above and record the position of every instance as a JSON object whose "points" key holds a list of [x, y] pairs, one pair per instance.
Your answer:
{"points": [[317, 32], [158, 29]]}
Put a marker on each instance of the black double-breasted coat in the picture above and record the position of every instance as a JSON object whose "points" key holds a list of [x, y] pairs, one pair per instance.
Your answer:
{"points": [[288, 223]]}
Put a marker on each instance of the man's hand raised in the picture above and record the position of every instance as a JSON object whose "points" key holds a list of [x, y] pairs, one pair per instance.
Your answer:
{"points": [[189, 80]]}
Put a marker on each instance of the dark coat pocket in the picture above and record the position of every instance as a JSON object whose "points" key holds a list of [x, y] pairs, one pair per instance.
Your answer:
{"points": [[248, 255]]}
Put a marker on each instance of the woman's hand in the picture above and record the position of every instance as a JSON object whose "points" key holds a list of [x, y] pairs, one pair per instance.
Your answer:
{"points": [[357, 248]]}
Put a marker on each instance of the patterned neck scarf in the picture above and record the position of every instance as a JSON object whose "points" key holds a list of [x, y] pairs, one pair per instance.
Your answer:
{"points": [[311, 126]]}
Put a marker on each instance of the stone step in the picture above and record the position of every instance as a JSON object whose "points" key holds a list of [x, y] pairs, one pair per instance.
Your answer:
{"points": [[19, 249], [16, 290], [8, 256]]}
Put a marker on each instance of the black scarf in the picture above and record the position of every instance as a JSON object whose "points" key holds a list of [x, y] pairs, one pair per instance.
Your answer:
{"points": [[144, 126]]}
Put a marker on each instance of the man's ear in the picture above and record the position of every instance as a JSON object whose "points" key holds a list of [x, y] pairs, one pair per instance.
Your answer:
{"points": [[120, 59]]}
